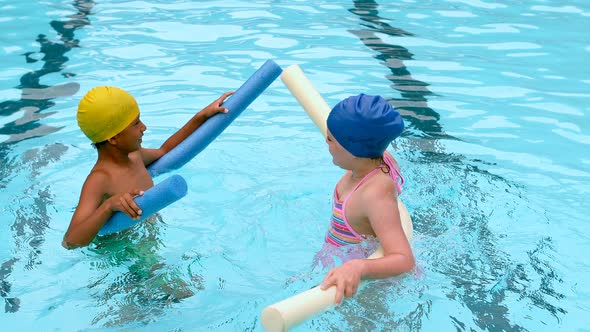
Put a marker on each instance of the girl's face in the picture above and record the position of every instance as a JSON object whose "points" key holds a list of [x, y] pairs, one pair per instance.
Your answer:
{"points": [[340, 156]]}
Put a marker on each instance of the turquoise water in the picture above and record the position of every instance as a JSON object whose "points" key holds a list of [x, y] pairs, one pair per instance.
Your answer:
{"points": [[496, 158]]}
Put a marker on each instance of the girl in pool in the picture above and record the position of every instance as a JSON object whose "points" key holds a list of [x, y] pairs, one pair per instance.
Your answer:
{"points": [[364, 206]]}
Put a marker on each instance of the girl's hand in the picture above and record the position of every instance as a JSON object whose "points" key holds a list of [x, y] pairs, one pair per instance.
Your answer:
{"points": [[346, 278], [124, 202], [216, 106]]}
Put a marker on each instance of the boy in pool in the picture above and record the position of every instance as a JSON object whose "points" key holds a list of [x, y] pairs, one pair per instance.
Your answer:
{"points": [[109, 117], [365, 199]]}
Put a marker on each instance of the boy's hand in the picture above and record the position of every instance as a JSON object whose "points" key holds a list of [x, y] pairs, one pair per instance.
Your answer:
{"points": [[216, 106], [124, 202], [346, 278]]}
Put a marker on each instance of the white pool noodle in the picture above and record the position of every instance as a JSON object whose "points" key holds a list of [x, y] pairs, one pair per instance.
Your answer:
{"points": [[289, 312], [283, 315], [307, 95]]}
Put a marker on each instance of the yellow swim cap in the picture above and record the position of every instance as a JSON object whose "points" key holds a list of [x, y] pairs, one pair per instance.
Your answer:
{"points": [[105, 111]]}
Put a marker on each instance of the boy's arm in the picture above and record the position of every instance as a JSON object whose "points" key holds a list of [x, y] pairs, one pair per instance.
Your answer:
{"points": [[151, 155], [91, 212]]}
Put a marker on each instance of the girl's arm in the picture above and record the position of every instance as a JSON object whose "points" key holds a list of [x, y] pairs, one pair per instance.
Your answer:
{"points": [[383, 213], [380, 206]]}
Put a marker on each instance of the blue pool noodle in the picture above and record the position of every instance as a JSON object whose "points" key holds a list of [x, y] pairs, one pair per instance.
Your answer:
{"points": [[153, 200], [174, 188], [211, 128]]}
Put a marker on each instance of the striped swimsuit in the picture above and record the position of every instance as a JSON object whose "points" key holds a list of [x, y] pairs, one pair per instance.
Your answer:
{"points": [[340, 232]]}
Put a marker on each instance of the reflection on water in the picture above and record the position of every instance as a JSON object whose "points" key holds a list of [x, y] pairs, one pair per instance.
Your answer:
{"points": [[413, 104], [463, 215], [460, 204], [36, 97], [464, 226], [31, 218], [133, 283], [462, 222]]}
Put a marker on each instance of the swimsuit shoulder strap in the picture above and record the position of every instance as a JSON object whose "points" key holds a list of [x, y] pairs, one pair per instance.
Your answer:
{"points": [[394, 173], [363, 180]]}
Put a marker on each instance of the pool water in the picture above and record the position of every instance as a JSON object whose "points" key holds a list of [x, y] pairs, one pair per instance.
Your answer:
{"points": [[496, 158]]}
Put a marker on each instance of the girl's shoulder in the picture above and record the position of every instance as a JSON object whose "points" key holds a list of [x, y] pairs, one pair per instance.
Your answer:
{"points": [[378, 186]]}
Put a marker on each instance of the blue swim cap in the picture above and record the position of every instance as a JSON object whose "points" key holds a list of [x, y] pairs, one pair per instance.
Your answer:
{"points": [[364, 125]]}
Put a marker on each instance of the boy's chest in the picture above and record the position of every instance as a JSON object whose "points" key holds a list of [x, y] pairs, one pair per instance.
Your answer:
{"points": [[134, 177]]}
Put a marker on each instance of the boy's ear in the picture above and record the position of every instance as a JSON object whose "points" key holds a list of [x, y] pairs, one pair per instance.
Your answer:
{"points": [[113, 140]]}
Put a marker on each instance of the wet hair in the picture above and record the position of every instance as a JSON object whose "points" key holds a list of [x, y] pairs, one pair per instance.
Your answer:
{"points": [[384, 167]]}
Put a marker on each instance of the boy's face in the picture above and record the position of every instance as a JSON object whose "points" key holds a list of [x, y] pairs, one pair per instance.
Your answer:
{"points": [[130, 137]]}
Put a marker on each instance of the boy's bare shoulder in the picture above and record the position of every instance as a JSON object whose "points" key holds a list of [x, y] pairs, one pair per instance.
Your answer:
{"points": [[98, 178], [100, 171]]}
